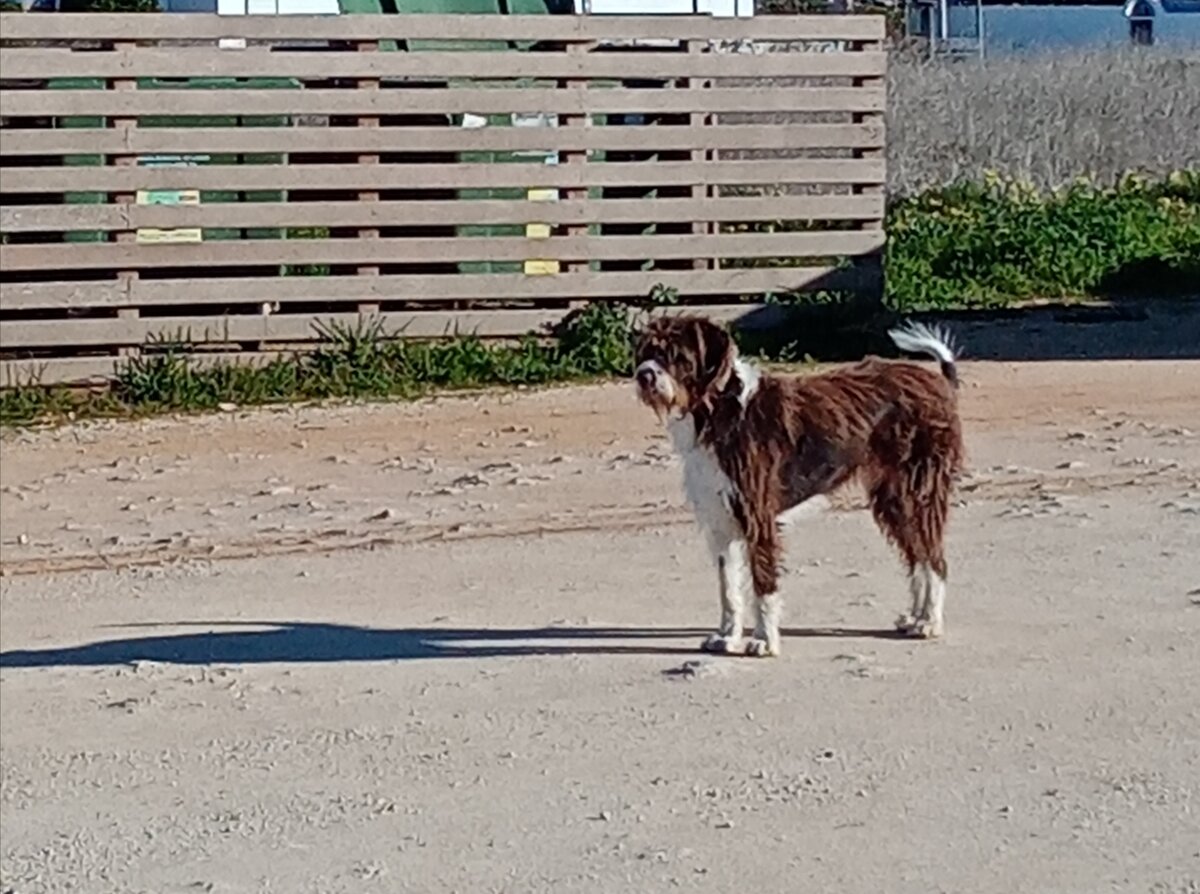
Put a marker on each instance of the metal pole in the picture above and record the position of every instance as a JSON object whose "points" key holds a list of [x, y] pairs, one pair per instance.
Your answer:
{"points": [[982, 14]]}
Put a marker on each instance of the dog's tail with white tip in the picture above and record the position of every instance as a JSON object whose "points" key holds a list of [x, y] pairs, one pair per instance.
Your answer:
{"points": [[917, 338]]}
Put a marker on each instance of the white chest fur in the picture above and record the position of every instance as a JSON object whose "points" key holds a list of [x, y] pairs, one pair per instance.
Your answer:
{"points": [[707, 488]]}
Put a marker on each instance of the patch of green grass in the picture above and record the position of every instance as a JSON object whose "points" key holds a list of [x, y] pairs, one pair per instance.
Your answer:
{"points": [[1001, 241], [359, 361]]}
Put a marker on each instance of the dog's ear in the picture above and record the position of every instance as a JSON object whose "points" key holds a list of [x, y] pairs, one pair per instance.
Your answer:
{"points": [[643, 336], [637, 341], [716, 356]]}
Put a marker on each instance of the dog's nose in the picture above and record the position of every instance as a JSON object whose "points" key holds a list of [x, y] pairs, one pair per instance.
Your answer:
{"points": [[645, 377]]}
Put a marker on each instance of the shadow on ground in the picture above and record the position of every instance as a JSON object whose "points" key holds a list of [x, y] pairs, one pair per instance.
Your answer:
{"points": [[266, 642], [1113, 329], [1119, 330]]}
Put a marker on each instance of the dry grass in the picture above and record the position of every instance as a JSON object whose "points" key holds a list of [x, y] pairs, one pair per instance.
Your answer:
{"points": [[1045, 118]]}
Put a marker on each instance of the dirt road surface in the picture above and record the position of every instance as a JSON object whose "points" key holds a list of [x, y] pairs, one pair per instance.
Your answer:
{"points": [[451, 647]]}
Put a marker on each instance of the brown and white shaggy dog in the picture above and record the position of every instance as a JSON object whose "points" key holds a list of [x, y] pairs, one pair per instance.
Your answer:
{"points": [[756, 445]]}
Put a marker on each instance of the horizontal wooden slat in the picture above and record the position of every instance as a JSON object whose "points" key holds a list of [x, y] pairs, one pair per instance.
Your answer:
{"points": [[80, 370], [481, 101], [441, 176], [297, 327], [41, 218], [130, 255], [58, 218], [207, 62], [127, 140], [285, 328], [20, 26], [60, 370], [467, 286]]}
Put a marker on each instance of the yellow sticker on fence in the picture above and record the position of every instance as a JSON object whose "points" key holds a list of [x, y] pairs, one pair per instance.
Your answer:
{"points": [[155, 236], [541, 231], [541, 268]]}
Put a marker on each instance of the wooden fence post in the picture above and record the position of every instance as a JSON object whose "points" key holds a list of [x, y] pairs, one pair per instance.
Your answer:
{"points": [[876, 262], [702, 120], [576, 157], [368, 307], [125, 277]]}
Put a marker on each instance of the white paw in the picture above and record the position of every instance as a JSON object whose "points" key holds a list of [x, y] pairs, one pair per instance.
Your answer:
{"points": [[722, 644], [905, 623], [925, 629], [761, 648]]}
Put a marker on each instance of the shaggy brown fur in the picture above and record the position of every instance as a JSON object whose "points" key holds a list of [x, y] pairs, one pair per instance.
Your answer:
{"points": [[893, 425]]}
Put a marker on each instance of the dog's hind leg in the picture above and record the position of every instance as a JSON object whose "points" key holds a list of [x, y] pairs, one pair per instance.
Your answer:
{"points": [[931, 622], [909, 478], [915, 521]]}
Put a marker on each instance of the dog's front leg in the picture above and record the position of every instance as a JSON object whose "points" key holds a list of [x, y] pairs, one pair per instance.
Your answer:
{"points": [[763, 551], [768, 611], [732, 572]]}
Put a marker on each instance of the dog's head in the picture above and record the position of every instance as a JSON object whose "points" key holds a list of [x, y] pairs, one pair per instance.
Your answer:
{"points": [[682, 363]]}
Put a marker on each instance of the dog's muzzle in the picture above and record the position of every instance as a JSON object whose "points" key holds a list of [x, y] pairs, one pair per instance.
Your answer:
{"points": [[652, 381], [655, 386]]}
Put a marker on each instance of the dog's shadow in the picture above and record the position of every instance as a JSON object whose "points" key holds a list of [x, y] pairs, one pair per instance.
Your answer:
{"points": [[299, 642]]}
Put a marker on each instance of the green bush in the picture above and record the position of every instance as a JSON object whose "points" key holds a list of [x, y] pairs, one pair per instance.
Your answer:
{"points": [[1001, 241]]}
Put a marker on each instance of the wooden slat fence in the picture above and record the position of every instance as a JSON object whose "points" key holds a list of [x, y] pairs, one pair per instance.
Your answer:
{"points": [[231, 181]]}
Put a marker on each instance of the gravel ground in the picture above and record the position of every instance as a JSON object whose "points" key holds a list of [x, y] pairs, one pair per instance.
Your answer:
{"points": [[451, 646]]}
